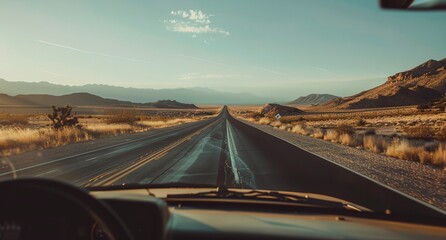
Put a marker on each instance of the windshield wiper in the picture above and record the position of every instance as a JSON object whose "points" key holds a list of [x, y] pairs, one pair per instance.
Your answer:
{"points": [[224, 193]]}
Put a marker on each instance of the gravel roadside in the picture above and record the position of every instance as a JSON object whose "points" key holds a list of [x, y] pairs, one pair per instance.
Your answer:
{"points": [[417, 180]]}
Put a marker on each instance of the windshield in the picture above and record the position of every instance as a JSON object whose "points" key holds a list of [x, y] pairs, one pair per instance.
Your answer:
{"points": [[336, 98]]}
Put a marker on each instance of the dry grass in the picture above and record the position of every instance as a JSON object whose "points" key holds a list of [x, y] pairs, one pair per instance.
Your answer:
{"points": [[127, 116], [318, 133], [15, 140], [164, 123], [401, 148], [439, 156], [331, 135], [441, 134], [374, 143], [350, 140], [301, 129], [264, 121], [423, 132], [291, 119], [13, 119], [276, 123]]}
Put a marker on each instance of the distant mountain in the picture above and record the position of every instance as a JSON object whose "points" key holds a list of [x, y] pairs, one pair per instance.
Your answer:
{"points": [[272, 109], [419, 85], [84, 99], [75, 99], [313, 99], [170, 104], [8, 100], [189, 95]]}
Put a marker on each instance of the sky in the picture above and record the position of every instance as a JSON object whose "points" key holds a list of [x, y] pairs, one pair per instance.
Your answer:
{"points": [[277, 49]]}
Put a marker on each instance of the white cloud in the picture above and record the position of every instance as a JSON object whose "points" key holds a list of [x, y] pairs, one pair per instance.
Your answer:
{"points": [[192, 21]]}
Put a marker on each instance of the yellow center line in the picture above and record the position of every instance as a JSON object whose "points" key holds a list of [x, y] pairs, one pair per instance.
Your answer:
{"points": [[119, 174]]}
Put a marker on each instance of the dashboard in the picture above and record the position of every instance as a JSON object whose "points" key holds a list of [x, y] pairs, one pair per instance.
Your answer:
{"points": [[153, 218], [146, 215]]}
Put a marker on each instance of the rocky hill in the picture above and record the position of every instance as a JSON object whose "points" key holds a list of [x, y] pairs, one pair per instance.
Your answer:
{"points": [[419, 85], [272, 109], [313, 99]]}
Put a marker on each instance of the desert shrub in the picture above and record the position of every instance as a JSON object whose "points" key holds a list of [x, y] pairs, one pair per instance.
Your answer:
{"points": [[431, 146], [123, 116], [401, 148], [301, 128], [439, 156], [264, 121], [360, 122], [276, 123], [318, 133], [422, 132], [441, 134], [350, 140], [370, 131], [331, 135], [345, 129], [255, 115], [374, 143], [283, 127], [425, 157], [62, 117]]}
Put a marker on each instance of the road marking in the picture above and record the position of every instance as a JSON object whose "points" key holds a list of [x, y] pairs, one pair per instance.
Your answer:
{"points": [[52, 171], [119, 174], [82, 154], [93, 158], [232, 153]]}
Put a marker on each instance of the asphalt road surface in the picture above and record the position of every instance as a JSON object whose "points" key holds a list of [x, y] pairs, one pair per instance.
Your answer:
{"points": [[221, 151]]}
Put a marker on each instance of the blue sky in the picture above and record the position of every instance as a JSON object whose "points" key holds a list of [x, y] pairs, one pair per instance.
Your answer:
{"points": [[279, 49]]}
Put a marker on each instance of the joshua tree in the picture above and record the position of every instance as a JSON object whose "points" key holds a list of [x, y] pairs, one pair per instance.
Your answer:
{"points": [[62, 117]]}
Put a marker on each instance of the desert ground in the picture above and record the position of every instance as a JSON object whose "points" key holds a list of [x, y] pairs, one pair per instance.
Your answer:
{"points": [[403, 132]]}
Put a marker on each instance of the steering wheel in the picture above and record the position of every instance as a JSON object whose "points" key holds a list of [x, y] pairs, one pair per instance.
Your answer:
{"points": [[33, 200]]}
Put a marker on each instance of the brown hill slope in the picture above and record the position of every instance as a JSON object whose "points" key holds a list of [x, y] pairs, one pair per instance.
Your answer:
{"points": [[313, 99], [419, 85], [8, 100], [272, 109]]}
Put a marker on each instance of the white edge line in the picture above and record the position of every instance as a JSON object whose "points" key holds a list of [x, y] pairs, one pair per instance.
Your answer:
{"points": [[231, 147]]}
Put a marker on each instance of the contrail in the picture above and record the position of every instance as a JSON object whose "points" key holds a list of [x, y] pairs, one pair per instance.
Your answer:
{"points": [[327, 71], [94, 53], [204, 60], [268, 70]]}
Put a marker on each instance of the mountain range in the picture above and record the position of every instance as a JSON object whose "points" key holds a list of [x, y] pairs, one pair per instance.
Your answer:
{"points": [[418, 85], [83, 99], [190, 95]]}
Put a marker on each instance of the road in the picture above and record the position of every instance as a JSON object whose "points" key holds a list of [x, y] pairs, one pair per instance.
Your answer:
{"points": [[220, 151]]}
